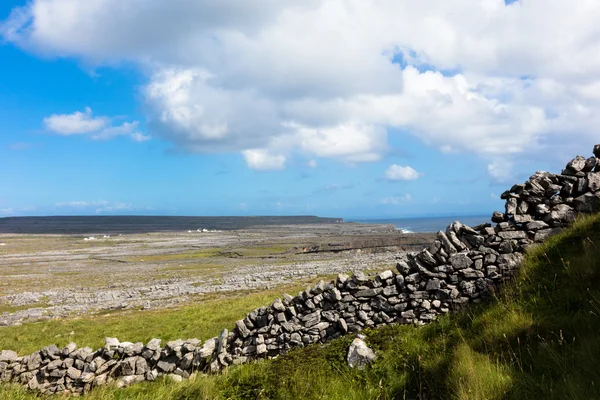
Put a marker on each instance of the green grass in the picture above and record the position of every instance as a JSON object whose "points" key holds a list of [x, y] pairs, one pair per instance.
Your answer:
{"points": [[539, 339]]}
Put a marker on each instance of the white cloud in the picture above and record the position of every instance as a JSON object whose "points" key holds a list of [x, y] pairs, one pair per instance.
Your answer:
{"points": [[312, 163], [501, 171], [229, 76], [397, 172], [127, 128], [114, 207], [96, 128], [407, 198], [139, 137], [262, 160], [76, 123], [81, 203]]}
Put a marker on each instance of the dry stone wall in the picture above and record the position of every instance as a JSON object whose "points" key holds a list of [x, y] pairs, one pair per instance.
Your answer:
{"points": [[463, 265]]}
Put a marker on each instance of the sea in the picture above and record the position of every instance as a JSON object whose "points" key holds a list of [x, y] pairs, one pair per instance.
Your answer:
{"points": [[426, 224], [141, 224]]}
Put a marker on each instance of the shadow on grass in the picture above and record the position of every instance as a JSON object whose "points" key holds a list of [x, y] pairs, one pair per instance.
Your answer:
{"points": [[539, 339]]}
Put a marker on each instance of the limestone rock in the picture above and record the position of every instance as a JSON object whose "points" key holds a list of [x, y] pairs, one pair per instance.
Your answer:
{"points": [[359, 355]]}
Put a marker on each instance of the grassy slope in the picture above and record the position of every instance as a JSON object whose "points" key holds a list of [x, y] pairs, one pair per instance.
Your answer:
{"points": [[539, 339]]}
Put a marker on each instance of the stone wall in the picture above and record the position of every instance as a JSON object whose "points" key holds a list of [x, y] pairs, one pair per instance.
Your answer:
{"points": [[464, 265]]}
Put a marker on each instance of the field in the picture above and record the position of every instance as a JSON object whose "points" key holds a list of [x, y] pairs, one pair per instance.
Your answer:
{"points": [[539, 339], [46, 276]]}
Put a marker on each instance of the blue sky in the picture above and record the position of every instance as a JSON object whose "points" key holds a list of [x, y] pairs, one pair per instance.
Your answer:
{"points": [[218, 110]]}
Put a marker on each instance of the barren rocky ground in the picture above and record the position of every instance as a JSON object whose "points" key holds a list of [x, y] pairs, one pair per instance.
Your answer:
{"points": [[47, 276]]}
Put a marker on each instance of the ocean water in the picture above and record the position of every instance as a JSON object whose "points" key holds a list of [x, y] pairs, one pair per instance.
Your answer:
{"points": [[427, 224]]}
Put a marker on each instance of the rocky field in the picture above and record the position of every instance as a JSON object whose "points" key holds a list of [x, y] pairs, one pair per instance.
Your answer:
{"points": [[46, 276]]}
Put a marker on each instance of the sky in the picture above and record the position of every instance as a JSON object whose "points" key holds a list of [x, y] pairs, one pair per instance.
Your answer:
{"points": [[341, 108]]}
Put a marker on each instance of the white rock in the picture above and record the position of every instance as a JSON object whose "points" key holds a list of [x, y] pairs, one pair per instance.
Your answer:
{"points": [[359, 355]]}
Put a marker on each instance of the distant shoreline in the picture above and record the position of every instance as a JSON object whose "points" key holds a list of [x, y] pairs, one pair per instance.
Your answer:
{"points": [[145, 224]]}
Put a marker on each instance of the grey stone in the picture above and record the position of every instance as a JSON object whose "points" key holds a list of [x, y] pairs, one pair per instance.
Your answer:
{"points": [[208, 348], [153, 344], [593, 179], [433, 284], [125, 381], [543, 234], [561, 213], [142, 367], [222, 345], [498, 217], [111, 343], [341, 280], [87, 377], [242, 329], [368, 292], [8, 355], [470, 273], [427, 258], [167, 366], [435, 246], [402, 267], [73, 373], [50, 351], [312, 319], [460, 261], [536, 225], [510, 235], [385, 275], [390, 291], [278, 305], [68, 349], [587, 203], [446, 244], [359, 355], [577, 164], [511, 206], [359, 277]]}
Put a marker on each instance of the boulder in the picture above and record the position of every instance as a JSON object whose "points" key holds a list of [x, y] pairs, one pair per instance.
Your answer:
{"points": [[359, 355]]}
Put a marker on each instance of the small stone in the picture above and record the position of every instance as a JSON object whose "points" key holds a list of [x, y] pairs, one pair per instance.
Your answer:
{"points": [[359, 277], [242, 329], [278, 305], [460, 261], [359, 355], [73, 373], [368, 292], [153, 344], [8, 355], [577, 164], [498, 217], [111, 343], [209, 347], [385, 275]]}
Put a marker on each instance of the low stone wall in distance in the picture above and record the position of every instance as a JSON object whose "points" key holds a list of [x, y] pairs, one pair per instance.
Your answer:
{"points": [[464, 265]]}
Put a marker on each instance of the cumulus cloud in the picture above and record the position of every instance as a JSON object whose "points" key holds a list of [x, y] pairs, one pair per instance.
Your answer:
{"points": [[96, 128], [76, 123], [397, 172], [262, 160], [481, 77]]}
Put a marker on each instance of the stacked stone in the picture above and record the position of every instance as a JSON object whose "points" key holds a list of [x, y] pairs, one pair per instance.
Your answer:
{"points": [[462, 266], [549, 201], [54, 370]]}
